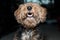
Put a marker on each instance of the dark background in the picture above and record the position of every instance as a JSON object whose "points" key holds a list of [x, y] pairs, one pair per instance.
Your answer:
{"points": [[7, 21]]}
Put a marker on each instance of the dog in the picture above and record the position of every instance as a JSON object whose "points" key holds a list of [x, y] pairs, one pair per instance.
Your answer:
{"points": [[29, 15]]}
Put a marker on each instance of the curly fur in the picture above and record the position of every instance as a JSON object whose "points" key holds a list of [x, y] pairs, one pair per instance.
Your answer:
{"points": [[38, 12]]}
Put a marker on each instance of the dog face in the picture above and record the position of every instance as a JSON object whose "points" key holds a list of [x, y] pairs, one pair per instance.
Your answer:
{"points": [[30, 14]]}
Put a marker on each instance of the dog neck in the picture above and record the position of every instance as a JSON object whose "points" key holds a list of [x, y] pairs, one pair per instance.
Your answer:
{"points": [[36, 27]]}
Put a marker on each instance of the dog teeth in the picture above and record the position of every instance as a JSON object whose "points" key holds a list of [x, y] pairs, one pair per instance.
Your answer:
{"points": [[29, 15]]}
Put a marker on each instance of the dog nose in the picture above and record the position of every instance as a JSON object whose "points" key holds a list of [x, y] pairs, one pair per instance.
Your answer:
{"points": [[29, 8]]}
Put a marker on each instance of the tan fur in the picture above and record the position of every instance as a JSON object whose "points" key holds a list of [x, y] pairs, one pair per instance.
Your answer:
{"points": [[38, 12]]}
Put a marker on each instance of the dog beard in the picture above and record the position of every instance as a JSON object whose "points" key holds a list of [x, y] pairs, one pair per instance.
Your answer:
{"points": [[30, 22]]}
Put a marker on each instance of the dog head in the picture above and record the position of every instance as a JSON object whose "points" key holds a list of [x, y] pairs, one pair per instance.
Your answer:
{"points": [[30, 14]]}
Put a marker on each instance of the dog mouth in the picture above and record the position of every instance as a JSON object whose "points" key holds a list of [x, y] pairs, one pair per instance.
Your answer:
{"points": [[30, 15]]}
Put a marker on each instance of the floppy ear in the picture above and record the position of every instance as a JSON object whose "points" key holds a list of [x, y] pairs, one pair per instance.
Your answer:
{"points": [[43, 13], [17, 12]]}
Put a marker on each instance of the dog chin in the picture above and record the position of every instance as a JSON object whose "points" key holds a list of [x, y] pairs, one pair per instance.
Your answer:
{"points": [[29, 22]]}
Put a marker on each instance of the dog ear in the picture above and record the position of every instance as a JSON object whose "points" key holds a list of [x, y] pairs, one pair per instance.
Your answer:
{"points": [[43, 13], [17, 12]]}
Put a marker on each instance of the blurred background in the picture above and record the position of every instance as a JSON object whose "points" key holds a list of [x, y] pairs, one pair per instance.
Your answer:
{"points": [[8, 24]]}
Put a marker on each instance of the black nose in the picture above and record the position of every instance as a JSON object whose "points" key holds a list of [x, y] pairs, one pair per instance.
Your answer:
{"points": [[29, 8]]}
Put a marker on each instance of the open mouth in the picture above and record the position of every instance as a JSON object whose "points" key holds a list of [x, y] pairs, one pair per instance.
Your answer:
{"points": [[30, 15]]}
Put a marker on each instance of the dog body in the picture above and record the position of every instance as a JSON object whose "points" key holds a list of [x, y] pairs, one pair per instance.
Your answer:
{"points": [[29, 15], [29, 34]]}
